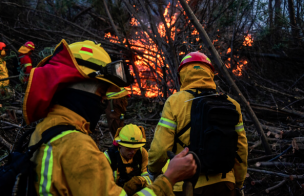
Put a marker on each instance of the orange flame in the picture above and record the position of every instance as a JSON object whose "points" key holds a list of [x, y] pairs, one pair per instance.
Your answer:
{"points": [[248, 41]]}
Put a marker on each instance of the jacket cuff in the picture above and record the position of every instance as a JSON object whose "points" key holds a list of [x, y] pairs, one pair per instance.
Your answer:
{"points": [[163, 183], [239, 185]]}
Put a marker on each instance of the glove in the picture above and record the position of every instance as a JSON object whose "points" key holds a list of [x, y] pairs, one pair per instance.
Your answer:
{"points": [[134, 185]]}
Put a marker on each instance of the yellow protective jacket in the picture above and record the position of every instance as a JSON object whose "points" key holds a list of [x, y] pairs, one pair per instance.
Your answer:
{"points": [[71, 163], [3, 73], [176, 115], [144, 177]]}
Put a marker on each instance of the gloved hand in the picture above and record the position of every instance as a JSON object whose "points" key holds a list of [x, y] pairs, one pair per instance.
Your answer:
{"points": [[134, 185]]}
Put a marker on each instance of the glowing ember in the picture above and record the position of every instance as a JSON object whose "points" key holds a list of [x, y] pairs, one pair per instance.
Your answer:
{"points": [[229, 50], [248, 40], [134, 22], [239, 67], [238, 70]]}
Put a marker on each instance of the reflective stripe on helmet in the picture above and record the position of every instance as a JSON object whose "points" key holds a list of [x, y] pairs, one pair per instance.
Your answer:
{"points": [[239, 127], [186, 57], [107, 155], [112, 94], [146, 192], [30, 45], [47, 166], [167, 123], [27, 64]]}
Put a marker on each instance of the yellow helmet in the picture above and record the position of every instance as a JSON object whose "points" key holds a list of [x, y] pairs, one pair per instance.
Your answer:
{"points": [[90, 58], [131, 136]]}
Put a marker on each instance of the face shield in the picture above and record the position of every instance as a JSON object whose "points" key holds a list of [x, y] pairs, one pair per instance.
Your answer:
{"points": [[117, 72]]}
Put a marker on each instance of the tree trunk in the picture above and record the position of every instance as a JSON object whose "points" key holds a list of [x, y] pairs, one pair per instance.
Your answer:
{"points": [[293, 23], [270, 9], [277, 10]]}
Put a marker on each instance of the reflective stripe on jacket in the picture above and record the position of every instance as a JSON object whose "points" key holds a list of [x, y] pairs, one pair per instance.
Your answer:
{"points": [[176, 115], [144, 177], [72, 164]]}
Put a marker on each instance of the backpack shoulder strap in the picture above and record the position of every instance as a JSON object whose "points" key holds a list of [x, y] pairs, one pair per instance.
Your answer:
{"points": [[176, 137], [114, 155], [49, 134]]}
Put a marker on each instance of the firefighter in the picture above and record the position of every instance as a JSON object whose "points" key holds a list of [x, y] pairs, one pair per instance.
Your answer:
{"points": [[116, 109], [25, 61], [3, 68], [128, 158], [195, 72], [68, 89]]}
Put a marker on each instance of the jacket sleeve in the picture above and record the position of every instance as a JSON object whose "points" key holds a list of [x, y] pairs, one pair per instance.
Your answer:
{"points": [[163, 140], [87, 170], [144, 177], [240, 169], [90, 173], [160, 187]]}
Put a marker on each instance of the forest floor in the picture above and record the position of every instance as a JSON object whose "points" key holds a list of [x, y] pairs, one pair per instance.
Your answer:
{"points": [[284, 130]]}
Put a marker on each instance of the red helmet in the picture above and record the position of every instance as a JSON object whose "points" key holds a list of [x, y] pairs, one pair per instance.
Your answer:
{"points": [[30, 45], [2, 45], [195, 57]]}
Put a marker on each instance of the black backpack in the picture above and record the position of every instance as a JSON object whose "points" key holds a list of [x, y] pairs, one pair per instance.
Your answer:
{"points": [[212, 137], [116, 163], [17, 175]]}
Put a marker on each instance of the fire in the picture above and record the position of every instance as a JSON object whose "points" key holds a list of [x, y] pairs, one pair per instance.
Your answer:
{"points": [[169, 22], [248, 41], [149, 59], [239, 66], [238, 70]]}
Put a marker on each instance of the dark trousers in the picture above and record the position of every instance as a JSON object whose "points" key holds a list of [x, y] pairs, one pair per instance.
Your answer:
{"points": [[217, 189]]}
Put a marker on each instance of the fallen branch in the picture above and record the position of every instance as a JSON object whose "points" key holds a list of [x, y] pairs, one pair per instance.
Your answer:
{"points": [[255, 182], [277, 92], [301, 177], [278, 156], [10, 124], [276, 186], [12, 77], [6, 143], [286, 164], [261, 158]]}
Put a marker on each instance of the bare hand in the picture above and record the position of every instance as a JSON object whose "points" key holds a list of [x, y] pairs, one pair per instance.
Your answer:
{"points": [[181, 167]]}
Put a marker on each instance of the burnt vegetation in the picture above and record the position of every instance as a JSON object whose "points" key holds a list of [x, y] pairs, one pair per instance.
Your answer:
{"points": [[260, 42]]}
